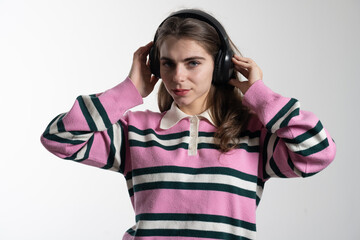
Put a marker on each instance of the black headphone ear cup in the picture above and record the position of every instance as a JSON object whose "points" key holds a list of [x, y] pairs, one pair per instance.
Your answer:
{"points": [[217, 68], [223, 67], [154, 62], [228, 65]]}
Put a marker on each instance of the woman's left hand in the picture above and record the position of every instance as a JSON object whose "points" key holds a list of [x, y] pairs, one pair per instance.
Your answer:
{"points": [[249, 69]]}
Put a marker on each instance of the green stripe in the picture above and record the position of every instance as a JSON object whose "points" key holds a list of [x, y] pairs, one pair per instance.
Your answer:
{"points": [[188, 233], [79, 132], [260, 183], [291, 164], [152, 143], [195, 186], [111, 157], [131, 232], [131, 192], [304, 175], [265, 155], [122, 149], [86, 114], [238, 146], [281, 113], [273, 164], [193, 171], [61, 128], [60, 124], [308, 134], [250, 134], [246, 133], [196, 217], [206, 134], [86, 155], [257, 200], [314, 149], [101, 110], [162, 137], [47, 130], [58, 139], [286, 121]]}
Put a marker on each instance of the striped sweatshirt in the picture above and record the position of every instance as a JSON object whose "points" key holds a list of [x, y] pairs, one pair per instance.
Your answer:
{"points": [[180, 185]]}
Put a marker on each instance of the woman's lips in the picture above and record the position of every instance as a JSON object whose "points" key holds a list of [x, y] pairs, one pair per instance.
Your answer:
{"points": [[181, 92]]}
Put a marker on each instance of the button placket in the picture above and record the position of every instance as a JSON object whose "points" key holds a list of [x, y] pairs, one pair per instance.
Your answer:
{"points": [[194, 127]]}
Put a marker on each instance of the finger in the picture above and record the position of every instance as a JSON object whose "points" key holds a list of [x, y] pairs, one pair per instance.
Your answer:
{"points": [[146, 49], [243, 71], [153, 80], [243, 59], [243, 86], [143, 51], [242, 63]]}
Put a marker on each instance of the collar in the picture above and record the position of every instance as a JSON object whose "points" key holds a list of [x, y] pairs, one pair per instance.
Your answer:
{"points": [[174, 115]]}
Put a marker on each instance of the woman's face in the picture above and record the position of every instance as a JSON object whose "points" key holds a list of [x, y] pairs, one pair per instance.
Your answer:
{"points": [[186, 69]]}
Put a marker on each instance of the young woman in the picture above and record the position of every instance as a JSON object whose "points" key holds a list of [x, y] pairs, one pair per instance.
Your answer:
{"points": [[196, 169]]}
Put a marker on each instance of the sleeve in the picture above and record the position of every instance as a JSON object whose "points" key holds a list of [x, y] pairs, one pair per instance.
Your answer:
{"points": [[293, 143], [93, 132]]}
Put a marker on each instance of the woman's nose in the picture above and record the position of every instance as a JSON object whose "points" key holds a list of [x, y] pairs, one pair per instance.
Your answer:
{"points": [[179, 73]]}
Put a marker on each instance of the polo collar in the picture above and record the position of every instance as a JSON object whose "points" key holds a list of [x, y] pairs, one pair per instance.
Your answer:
{"points": [[174, 115]]}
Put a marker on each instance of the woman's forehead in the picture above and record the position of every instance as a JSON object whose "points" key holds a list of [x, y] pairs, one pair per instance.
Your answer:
{"points": [[182, 48]]}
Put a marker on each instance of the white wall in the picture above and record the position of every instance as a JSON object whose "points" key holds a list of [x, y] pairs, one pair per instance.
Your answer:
{"points": [[53, 51]]}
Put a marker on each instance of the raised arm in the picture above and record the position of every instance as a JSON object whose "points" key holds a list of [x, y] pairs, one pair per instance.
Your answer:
{"points": [[293, 142], [93, 131]]}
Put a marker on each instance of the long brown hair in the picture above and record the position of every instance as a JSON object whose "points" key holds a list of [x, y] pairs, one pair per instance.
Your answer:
{"points": [[225, 101]]}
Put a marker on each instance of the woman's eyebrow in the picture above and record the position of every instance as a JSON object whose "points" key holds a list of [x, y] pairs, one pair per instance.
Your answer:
{"points": [[185, 60]]}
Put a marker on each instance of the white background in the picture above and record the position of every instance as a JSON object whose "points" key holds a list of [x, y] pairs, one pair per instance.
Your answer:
{"points": [[53, 51]]}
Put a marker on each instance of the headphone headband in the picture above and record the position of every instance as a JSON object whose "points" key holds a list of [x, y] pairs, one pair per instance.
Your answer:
{"points": [[205, 17]]}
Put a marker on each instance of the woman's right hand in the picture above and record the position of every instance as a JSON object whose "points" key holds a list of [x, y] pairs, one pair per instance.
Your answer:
{"points": [[140, 73]]}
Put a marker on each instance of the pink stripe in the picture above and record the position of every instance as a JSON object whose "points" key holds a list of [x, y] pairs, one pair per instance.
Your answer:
{"points": [[74, 120], [299, 125], [195, 201], [317, 161], [99, 151], [239, 159], [61, 150]]}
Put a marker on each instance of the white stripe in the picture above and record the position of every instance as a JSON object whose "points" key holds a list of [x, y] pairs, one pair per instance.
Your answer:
{"points": [[186, 139], [190, 178], [246, 139], [53, 128], [117, 144], [270, 153], [153, 137], [276, 126], [308, 143], [67, 135], [70, 136], [198, 225], [259, 191], [297, 172], [94, 113], [81, 153]]}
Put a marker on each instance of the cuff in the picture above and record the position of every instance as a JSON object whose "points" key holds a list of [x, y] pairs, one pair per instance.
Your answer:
{"points": [[119, 99]]}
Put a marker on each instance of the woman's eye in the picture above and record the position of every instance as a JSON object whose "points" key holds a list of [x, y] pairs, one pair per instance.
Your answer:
{"points": [[167, 64], [193, 63]]}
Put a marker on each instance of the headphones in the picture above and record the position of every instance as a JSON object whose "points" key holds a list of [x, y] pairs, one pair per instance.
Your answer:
{"points": [[223, 67]]}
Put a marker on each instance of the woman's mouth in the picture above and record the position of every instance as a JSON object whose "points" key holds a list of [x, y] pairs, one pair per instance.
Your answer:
{"points": [[181, 92]]}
